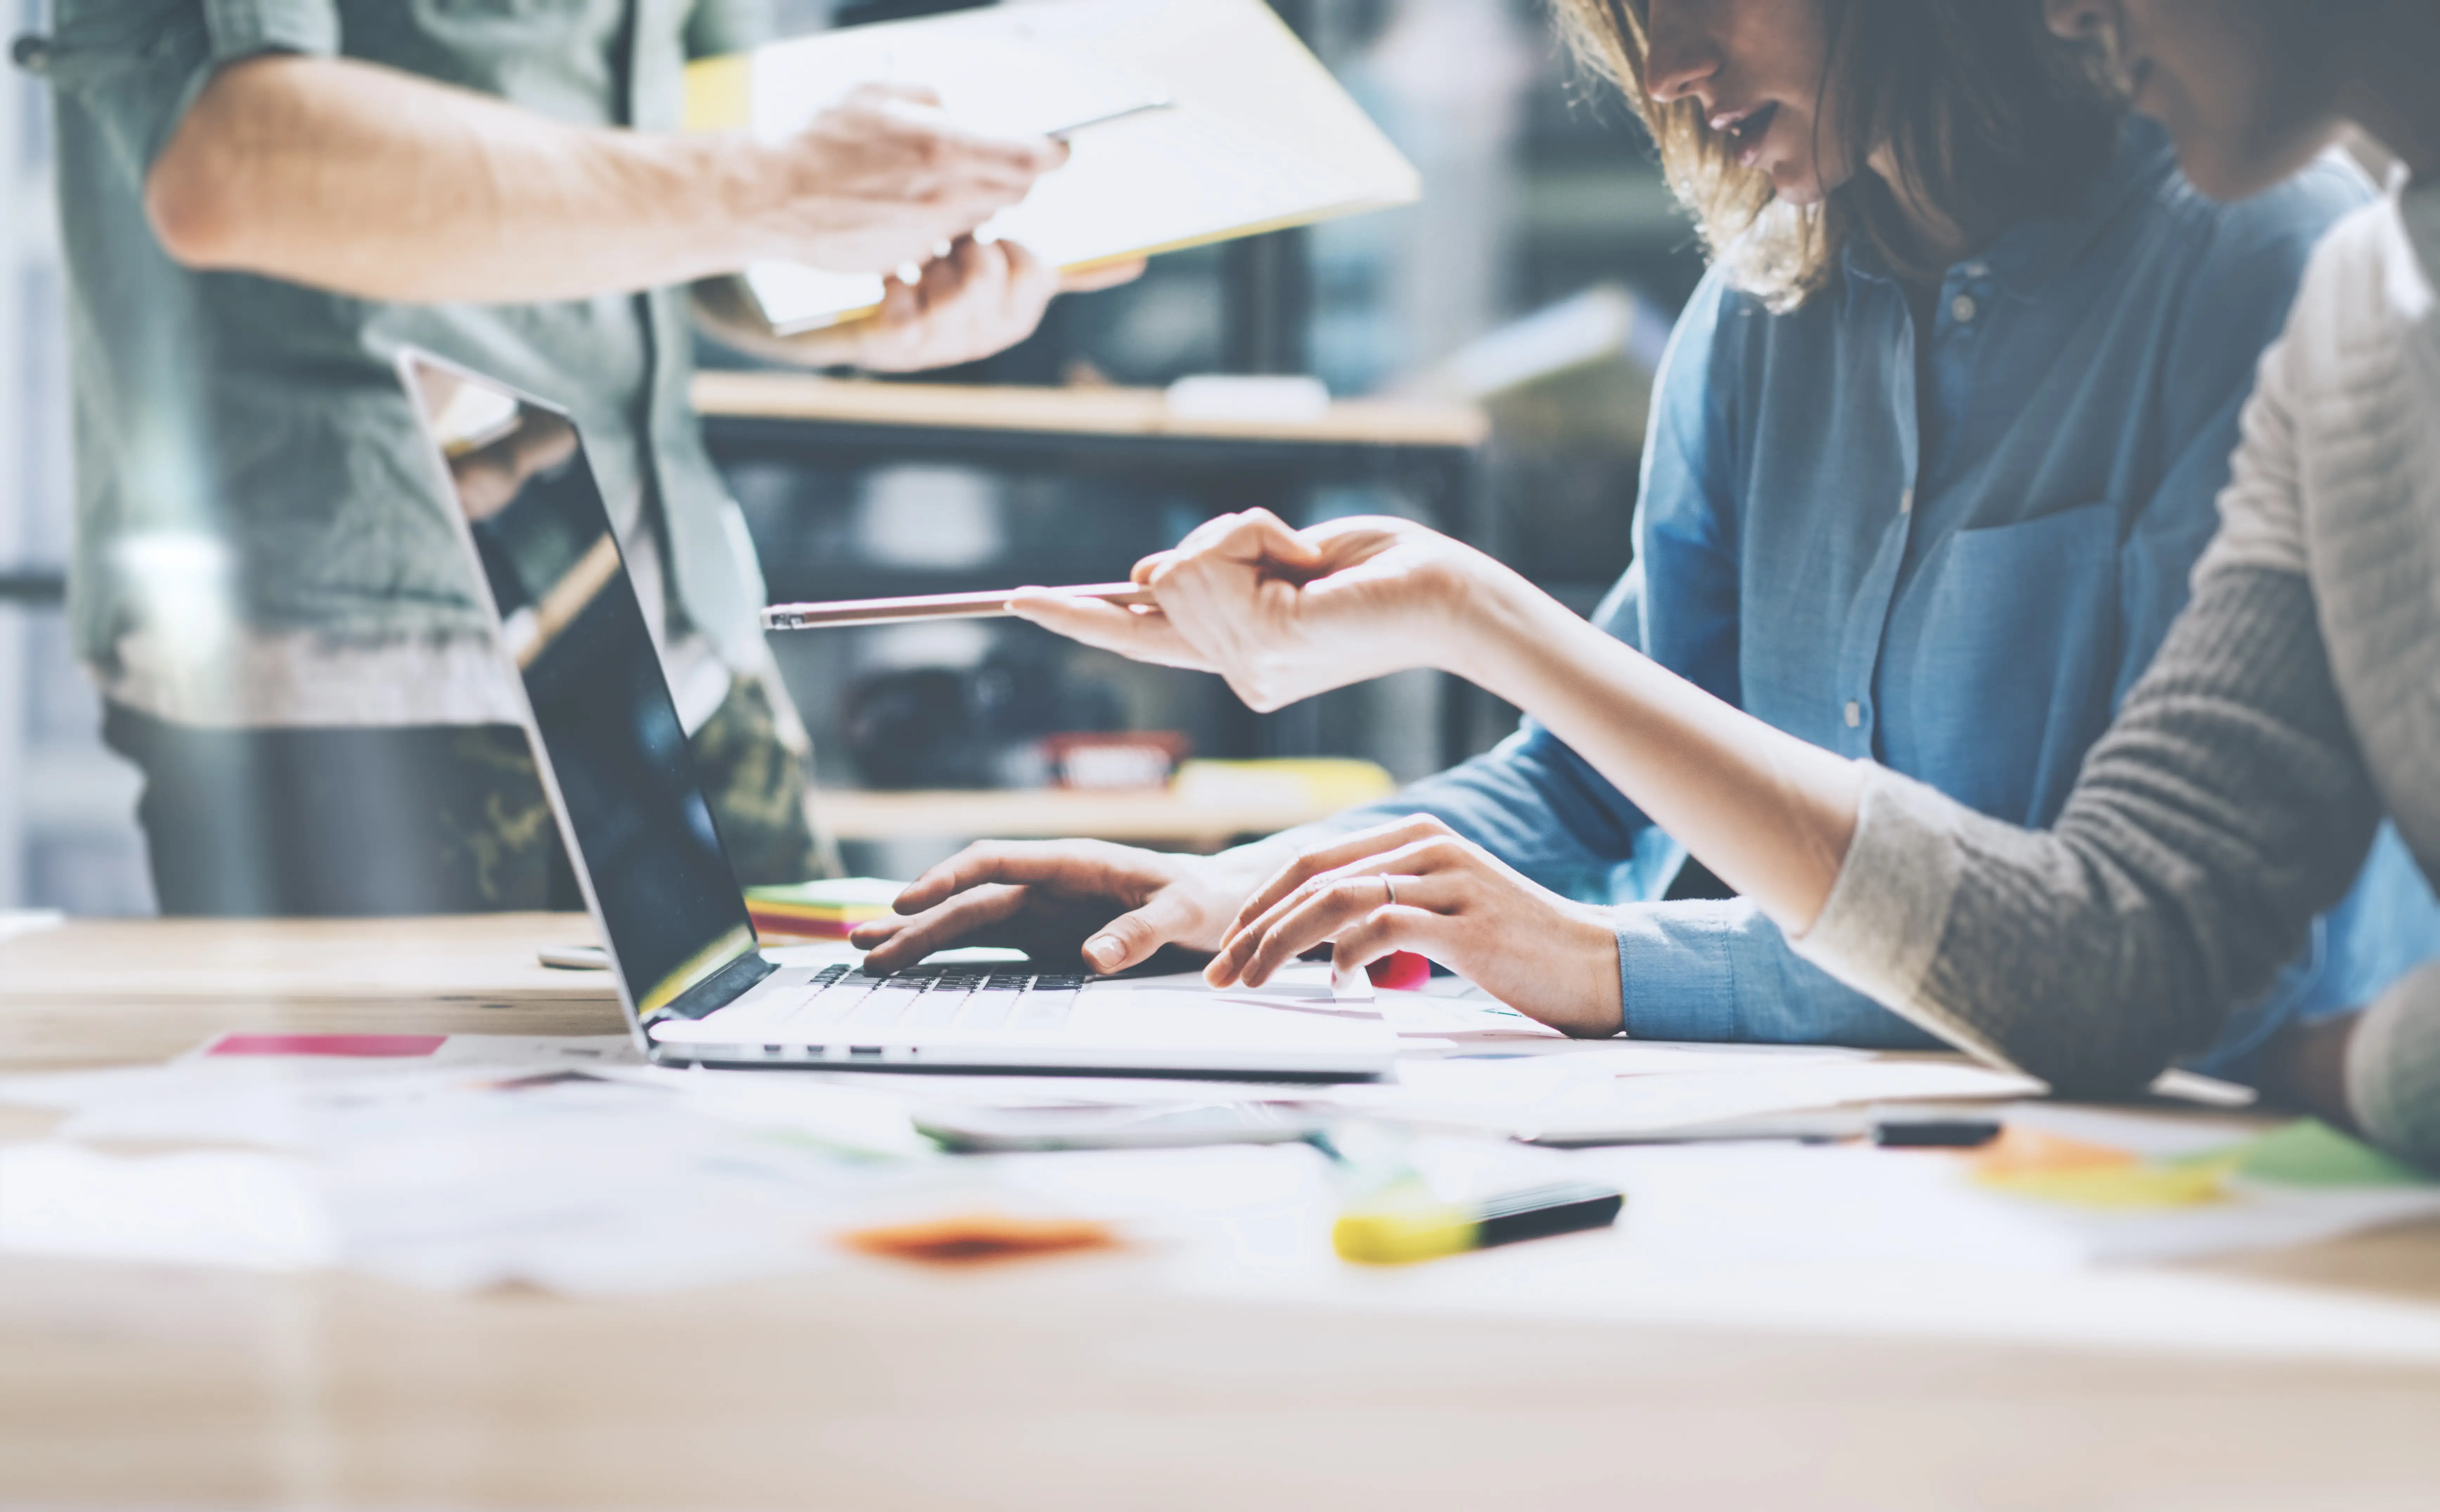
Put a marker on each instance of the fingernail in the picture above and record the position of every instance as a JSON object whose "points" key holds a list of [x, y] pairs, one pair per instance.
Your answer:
{"points": [[1103, 950]]}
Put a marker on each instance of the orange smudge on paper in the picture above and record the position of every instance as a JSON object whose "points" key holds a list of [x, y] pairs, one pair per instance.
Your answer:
{"points": [[972, 1238], [2020, 1151]]}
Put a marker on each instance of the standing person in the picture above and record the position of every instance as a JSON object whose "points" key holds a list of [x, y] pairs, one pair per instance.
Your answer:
{"points": [[2294, 704], [1932, 451], [261, 200]]}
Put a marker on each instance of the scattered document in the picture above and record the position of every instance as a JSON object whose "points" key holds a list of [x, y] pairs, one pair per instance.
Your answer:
{"points": [[1836, 1241], [1425, 1015], [249, 1210], [288, 1091], [463, 1163], [1623, 1108]]}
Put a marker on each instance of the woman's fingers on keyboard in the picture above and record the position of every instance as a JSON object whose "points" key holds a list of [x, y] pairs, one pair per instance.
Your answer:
{"points": [[971, 917], [1070, 864]]}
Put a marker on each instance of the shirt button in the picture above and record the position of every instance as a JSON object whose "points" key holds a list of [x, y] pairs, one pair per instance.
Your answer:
{"points": [[1963, 308], [1977, 270], [1855, 713]]}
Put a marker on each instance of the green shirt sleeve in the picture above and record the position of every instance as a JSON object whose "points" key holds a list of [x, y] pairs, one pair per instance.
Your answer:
{"points": [[136, 65], [719, 26]]}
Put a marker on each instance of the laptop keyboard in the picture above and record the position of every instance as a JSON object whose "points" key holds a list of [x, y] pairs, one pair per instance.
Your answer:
{"points": [[844, 997]]}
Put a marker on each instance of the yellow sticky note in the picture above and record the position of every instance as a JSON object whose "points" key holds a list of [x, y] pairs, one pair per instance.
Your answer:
{"points": [[2132, 1186], [719, 93]]}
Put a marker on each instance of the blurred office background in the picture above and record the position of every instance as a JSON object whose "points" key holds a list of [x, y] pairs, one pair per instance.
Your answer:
{"points": [[1536, 280]]}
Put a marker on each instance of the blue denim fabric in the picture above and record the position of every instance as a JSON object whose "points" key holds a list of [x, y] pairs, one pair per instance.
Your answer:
{"points": [[1966, 605]]}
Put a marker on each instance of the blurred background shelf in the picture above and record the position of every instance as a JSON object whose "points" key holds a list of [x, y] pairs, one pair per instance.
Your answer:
{"points": [[731, 400]]}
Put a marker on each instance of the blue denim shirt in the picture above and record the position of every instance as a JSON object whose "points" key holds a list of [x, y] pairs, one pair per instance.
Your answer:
{"points": [[1964, 605]]}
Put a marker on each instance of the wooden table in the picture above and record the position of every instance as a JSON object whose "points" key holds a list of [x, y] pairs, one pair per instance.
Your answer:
{"points": [[1073, 1383]]}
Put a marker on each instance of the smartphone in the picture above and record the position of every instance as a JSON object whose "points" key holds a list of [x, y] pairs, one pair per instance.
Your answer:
{"points": [[1101, 1126]]}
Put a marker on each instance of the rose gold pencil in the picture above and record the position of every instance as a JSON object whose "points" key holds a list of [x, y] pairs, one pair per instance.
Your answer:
{"points": [[989, 604]]}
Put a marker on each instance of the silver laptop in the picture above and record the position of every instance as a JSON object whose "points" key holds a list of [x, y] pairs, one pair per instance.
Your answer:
{"points": [[696, 987]]}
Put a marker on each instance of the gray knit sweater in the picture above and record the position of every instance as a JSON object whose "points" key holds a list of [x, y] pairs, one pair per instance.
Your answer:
{"points": [[2294, 703]]}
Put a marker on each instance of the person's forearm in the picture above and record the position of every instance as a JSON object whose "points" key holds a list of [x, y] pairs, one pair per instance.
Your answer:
{"points": [[375, 183], [1769, 813], [378, 183]]}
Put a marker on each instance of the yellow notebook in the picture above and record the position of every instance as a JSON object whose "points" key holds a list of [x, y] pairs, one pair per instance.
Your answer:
{"points": [[1252, 132]]}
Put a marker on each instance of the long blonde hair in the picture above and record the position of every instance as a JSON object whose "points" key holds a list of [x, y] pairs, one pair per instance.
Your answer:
{"points": [[1987, 116]]}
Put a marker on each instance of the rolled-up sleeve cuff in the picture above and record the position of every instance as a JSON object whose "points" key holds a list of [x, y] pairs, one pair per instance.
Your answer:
{"points": [[2394, 1069], [241, 29], [135, 68], [1881, 926], [1675, 983]]}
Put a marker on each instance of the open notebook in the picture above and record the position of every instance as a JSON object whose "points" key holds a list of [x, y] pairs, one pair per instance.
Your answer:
{"points": [[1251, 133]]}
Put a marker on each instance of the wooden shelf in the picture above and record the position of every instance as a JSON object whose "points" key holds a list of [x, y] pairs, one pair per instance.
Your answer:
{"points": [[1052, 814], [1108, 412]]}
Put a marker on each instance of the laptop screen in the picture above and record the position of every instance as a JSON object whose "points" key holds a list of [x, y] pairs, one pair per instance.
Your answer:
{"points": [[630, 806]]}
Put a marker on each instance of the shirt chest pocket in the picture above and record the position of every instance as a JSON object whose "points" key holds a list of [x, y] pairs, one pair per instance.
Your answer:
{"points": [[1997, 673]]}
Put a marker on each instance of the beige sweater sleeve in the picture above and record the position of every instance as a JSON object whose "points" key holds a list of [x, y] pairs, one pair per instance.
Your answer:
{"points": [[2224, 809], [2232, 799]]}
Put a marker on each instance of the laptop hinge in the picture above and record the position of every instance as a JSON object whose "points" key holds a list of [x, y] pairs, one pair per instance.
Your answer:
{"points": [[720, 989]]}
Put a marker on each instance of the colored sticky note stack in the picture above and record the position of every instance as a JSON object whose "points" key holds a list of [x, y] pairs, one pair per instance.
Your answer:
{"points": [[2308, 1154], [2036, 1163], [820, 910]]}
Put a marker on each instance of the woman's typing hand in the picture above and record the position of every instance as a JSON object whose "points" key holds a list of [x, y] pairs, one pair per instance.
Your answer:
{"points": [[1285, 614], [1416, 885], [1059, 900]]}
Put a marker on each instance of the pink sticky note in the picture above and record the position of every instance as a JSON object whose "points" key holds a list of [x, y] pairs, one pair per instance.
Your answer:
{"points": [[371, 1046], [1400, 971]]}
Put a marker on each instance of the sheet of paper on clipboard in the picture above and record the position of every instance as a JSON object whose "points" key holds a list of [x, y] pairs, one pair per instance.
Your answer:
{"points": [[1214, 122]]}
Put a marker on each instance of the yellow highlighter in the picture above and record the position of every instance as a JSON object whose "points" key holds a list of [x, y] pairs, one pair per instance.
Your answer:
{"points": [[1406, 1223]]}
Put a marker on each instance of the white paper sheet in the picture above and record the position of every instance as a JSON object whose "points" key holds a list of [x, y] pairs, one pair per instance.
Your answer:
{"points": [[240, 1209], [1256, 133], [1650, 1103], [1839, 1240]]}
